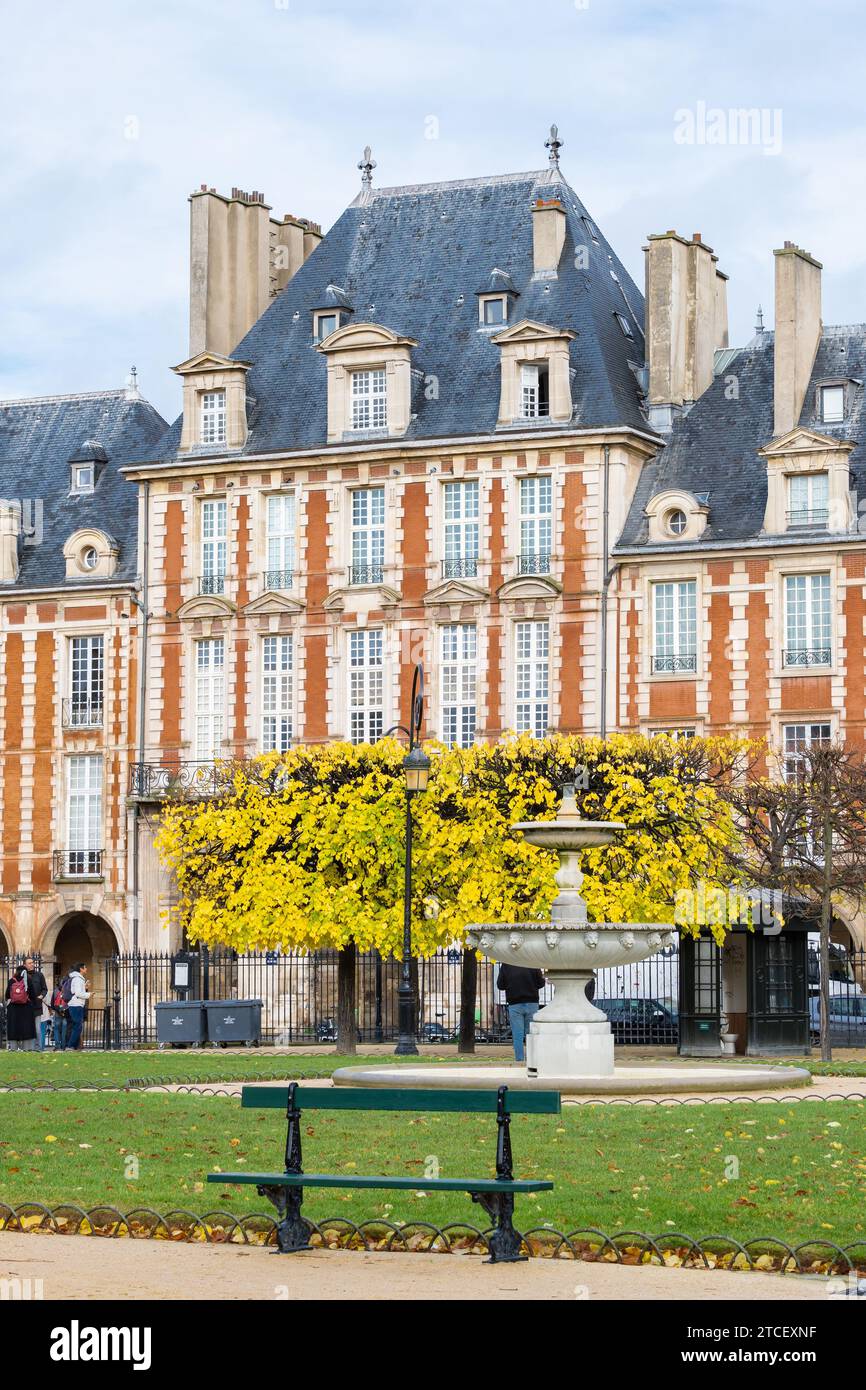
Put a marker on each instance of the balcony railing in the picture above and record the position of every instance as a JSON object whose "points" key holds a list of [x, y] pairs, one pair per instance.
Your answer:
{"points": [[212, 584], [534, 564], [78, 863], [157, 780], [278, 579], [78, 714], [537, 411], [460, 567], [807, 656], [366, 574], [684, 661], [811, 519]]}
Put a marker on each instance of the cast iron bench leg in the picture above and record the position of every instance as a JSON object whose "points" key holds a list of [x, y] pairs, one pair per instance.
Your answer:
{"points": [[504, 1242], [293, 1232]]}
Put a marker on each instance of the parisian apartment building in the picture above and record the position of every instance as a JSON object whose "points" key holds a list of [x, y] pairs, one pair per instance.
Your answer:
{"points": [[451, 430]]}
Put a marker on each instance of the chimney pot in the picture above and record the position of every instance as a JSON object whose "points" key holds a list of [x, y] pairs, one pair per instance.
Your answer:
{"points": [[696, 236]]}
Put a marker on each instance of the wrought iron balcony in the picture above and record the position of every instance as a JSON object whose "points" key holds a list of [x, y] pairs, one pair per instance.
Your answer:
{"points": [[212, 584], [278, 579], [366, 574], [807, 656], [82, 714], [460, 567], [809, 519], [155, 781], [534, 564], [78, 863], [684, 661]]}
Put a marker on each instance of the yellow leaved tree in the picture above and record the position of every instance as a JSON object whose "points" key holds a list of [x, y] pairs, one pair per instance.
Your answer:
{"points": [[306, 850]]}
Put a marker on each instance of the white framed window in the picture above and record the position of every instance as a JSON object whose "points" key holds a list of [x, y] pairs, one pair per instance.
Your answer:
{"points": [[461, 509], [366, 685], [210, 695], [494, 311], [214, 521], [532, 677], [832, 404], [534, 390], [86, 682], [83, 477], [326, 324], [369, 399], [677, 732], [675, 626], [458, 681], [796, 738], [84, 823], [278, 693], [213, 417], [536, 524], [808, 621], [280, 530], [368, 535], [809, 500]]}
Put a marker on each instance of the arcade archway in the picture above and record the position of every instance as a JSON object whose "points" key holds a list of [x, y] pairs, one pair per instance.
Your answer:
{"points": [[88, 940]]}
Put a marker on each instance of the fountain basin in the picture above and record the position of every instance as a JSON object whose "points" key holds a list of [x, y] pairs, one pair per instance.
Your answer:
{"points": [[559, 946]]}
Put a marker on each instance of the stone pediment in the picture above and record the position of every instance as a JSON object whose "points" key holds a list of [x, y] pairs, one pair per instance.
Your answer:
{"points": [[206, 606], [530, 331], [273, 602], [210, 362], [364, 336], [529, 586], [336, 600], [456, 591], [803, 441]]}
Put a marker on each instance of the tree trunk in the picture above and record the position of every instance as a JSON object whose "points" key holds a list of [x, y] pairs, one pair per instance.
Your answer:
{"points": [[826, 923], [468, 990], [347, 1028]]}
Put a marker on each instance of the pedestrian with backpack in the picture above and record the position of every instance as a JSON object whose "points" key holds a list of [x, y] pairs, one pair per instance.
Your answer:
{"points": [[20, 1012], [78, 997], [38, 986], [60, 997]]}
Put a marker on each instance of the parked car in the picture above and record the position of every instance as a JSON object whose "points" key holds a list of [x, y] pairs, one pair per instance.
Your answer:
{"points": [[847, 1020], [644, 1021], [436, 1033]]}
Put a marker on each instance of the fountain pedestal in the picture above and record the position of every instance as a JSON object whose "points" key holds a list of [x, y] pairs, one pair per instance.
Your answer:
{"points": [[569, 1031]]}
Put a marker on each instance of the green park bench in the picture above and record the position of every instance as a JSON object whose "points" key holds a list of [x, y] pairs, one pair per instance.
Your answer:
{"points": [[496, 1195]]}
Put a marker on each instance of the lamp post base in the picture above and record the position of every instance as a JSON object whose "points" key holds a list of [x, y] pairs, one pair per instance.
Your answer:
{"points": [[406, 1022]]}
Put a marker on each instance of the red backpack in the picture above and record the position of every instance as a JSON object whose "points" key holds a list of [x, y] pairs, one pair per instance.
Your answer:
{"points": [[18, 992]]}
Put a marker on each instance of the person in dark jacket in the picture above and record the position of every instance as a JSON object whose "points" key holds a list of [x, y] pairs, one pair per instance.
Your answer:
{"points": [[21, 1015], [38, 987], [521, 988]]}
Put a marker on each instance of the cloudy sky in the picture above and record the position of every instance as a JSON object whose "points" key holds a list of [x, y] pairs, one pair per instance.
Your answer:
{"points": [[113, 111]]}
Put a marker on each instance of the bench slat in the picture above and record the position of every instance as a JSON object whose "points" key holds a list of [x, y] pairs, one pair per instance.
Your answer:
{"points": [[418, 1184], [379, 1098]]}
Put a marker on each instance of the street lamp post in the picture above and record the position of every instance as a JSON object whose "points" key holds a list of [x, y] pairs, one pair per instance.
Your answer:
{"points": [[416, 770]]}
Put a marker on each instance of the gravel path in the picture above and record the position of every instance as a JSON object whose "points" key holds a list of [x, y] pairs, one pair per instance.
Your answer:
{"points": [[89, 1267]]}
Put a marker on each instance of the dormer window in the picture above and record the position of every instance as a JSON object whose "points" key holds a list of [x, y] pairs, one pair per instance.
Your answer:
{"points": [[85, 466], [534, 390], [493, 310], [832, 399], [624, 324], [809, 501], [213, 417], [369, 400], [676, 521], [325, 324], [82, 477]]}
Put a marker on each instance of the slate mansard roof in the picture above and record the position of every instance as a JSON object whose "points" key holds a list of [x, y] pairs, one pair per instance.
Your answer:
{"points": [[38, 439], [713, 450], [414, 259]]}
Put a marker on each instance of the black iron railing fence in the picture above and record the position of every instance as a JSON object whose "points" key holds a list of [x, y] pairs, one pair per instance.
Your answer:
{"points": [[299, 995]]}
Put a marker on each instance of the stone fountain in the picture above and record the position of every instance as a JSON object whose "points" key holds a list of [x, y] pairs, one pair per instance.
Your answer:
{"points": [[570, 1044], [570, 1037]]}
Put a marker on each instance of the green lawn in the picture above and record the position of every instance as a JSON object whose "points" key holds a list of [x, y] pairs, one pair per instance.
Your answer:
{"points": [[116, 1068], [801, 1168]]}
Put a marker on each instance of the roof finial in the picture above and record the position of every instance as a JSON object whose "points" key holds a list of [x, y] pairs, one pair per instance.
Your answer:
{"points": [[759, 326], [367, 165], [553, 145]]}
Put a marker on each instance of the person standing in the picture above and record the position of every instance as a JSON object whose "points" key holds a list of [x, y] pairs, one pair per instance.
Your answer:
{"points": [[20, 1013], [39, 990], [78, 997], [521, 987]]}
